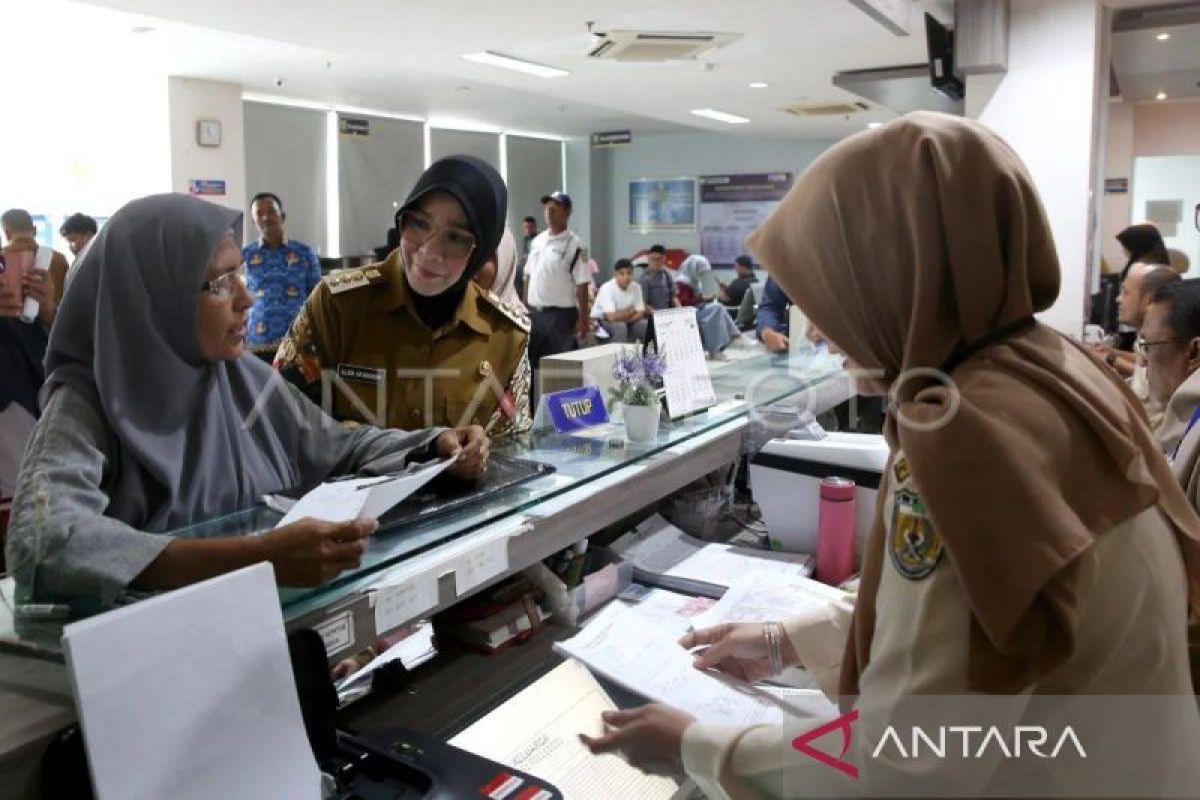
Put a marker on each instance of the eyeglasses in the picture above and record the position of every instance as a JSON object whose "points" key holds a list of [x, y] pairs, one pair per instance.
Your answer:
{"points": [[419, 229], [223, 287], [1143, 347]]}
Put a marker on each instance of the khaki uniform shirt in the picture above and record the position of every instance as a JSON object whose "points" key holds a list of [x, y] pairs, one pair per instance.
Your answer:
{"points": [[359, 350], [1130, 639]]}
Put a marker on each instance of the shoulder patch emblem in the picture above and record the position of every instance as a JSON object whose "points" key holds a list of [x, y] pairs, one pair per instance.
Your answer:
{"points": [[347, 279], [513, 315], [915, 547]]}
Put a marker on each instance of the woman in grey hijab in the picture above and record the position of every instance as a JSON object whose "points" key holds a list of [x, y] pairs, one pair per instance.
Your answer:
{"points": [[152, 420]]}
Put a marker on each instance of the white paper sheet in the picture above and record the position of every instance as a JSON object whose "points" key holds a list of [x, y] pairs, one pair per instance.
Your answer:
{"points": [[190, 695], [618, 645], [343, 500], [670, 612], [537, 732], [403, 600], [751, 599]]}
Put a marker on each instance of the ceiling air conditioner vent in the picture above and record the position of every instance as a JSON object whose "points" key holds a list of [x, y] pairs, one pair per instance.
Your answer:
{"points": [[646, 46], [825, 109]]}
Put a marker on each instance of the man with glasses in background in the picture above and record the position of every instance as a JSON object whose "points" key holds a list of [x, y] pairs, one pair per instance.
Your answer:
{"points": [[1170, 343]]}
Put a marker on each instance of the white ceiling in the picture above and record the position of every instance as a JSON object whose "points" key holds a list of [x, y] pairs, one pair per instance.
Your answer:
{"points": [[405, 57], [1146, 66]]}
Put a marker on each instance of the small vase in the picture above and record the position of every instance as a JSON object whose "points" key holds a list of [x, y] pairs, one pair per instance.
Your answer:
{"points": [[641, 423]]}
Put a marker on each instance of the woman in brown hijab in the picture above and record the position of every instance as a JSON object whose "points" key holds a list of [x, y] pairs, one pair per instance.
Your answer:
{"points": [[1030, 540]]}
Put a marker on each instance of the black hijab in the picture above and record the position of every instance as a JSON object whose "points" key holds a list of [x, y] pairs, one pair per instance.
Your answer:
{"points": [[1144, 244], [480, 191]]}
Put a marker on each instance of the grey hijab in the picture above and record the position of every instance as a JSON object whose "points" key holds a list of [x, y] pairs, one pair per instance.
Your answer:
{"points": [[125, 337]]}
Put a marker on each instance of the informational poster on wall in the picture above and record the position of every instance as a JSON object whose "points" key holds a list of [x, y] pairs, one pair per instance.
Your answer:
{"points": [[731, 206], [667, 204]]}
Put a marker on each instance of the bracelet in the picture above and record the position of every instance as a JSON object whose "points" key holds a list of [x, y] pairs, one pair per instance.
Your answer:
{"points": [[773, 639]]}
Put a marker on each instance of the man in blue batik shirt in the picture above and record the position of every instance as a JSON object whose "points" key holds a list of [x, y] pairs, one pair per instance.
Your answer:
{"points": [[280, 273], [773, 317]]}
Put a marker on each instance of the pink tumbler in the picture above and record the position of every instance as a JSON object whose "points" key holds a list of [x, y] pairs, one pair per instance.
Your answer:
{"points": [[835, 531]]}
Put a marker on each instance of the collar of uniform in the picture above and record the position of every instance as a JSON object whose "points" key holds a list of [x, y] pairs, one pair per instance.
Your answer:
{"points": [[400, 296], [283, 245]]}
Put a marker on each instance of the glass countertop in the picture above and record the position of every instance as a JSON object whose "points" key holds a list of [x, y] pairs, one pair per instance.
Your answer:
{"points": [[749, 379]]}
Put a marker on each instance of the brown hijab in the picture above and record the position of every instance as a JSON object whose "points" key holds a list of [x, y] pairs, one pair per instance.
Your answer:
{"points": [[923, 245]]}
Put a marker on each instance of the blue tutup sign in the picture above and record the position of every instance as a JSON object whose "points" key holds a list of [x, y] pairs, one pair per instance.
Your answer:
{"points": [[572, 409]]}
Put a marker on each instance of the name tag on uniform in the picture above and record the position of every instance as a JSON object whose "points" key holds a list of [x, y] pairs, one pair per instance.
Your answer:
{"points": [[355, 374], [571, 409]]}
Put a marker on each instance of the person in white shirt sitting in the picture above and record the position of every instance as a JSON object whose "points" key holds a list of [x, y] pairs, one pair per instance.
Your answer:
{"points": [[619, 308]]}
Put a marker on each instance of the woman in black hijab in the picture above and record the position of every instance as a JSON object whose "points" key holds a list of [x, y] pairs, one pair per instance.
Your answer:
{"points": [[414, 340], [1143, 243]]}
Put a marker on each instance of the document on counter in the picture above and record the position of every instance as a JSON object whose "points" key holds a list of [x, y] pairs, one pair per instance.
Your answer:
{"points": [[753, 599], [670, 612], [618, 645], [190, 695], [344, 499], [537, 731], [663, 555]]}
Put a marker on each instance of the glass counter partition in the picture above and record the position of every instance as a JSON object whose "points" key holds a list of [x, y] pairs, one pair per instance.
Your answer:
{"points": [[741, 386]]}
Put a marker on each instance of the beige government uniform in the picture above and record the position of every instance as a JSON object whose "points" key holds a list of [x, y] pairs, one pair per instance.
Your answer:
{"points": [[1133, 592], [359, 350]]}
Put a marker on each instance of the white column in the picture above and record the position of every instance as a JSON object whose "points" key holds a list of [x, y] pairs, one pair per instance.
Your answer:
{"points": [[191, 100], [1045, 106]]}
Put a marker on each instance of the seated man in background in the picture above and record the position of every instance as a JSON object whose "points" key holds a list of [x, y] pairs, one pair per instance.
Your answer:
{"points": [[619, 307], [280, 272], [732, 294], [1170, 343], [79, 230], [773, 318], [658, 287], [1139, 287]]}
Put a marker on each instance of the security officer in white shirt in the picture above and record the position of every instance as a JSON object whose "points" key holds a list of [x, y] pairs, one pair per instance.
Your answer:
{"points": [[557, 278]]}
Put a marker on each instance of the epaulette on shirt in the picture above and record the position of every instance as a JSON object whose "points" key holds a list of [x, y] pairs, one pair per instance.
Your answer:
{"points": [[343, 280], [513, 315]]}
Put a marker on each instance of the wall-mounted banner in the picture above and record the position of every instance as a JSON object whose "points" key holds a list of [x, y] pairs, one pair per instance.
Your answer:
{"points": [[612, 138], [352, 126], [206, 186], [731, 206], [667, 204]]}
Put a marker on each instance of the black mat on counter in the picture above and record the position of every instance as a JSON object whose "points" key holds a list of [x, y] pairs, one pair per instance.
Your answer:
{"points": [[445, 494]]}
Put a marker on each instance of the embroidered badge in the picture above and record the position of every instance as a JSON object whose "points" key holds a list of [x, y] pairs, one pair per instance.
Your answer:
{"points": [[293, 291], [914, 545], [292, 258], [900, 469], [256, 259], [356, 374]]}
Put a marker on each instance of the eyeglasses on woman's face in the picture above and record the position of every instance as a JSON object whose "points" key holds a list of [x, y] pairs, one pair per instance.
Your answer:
{"points": [[418, 229], [223, 287]]}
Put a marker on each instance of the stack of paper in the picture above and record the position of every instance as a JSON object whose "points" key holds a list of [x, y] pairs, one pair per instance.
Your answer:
{"points": [[619, 646], [538, 732], [412, 651], [670, 612], [754, 599], [663, 555]]}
